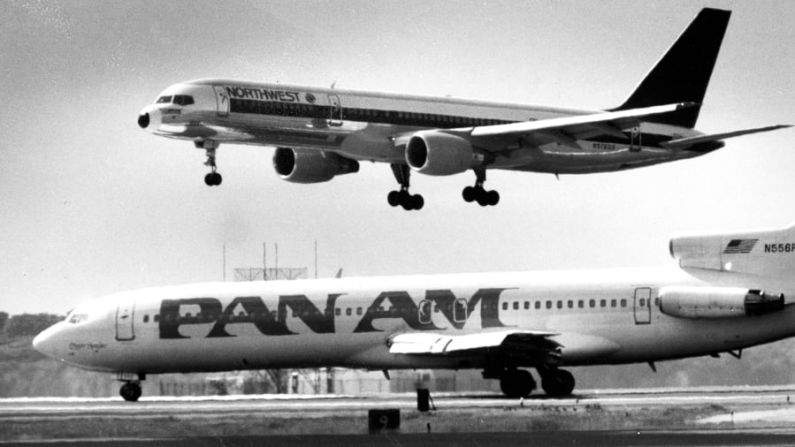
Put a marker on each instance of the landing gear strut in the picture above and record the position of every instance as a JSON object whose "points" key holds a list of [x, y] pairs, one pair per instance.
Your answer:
{"points": [[478, 193], [209, 146], [402, 197]]}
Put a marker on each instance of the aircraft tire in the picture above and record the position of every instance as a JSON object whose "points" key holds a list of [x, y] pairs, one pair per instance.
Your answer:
{"points": [[393, 198], [557, 383], [213, 179], [517, 383], [493, 197], [469, 194], [130, 391], [417, 202]]}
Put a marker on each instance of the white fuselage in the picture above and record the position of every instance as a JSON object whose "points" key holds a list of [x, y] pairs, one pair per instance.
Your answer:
{"points": [[598, 317], [370, 126]]}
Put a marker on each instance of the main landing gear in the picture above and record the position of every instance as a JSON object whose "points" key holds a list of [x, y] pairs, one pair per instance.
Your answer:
{"points": [[131, 390], [478, 193], [519, 383], [213, 178], [402, 197]]}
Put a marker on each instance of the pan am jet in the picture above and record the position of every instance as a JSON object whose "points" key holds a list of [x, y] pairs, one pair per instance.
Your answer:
{"points": [[320, 133], [727, 293]]}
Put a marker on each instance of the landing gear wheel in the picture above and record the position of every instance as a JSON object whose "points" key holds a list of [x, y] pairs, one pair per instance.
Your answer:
{"points": [[469, 193], [130, 391], [213, 179], [403, 197], [517, 383], [557, 383], [478, 194], [393, 198]]}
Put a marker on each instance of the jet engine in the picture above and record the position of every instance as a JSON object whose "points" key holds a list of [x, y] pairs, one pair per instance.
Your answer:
{"points": [[717, 302], [311, 166], [437, 153]]}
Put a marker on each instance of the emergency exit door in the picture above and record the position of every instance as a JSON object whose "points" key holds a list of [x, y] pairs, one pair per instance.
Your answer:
{"points": [[642, 305], [335, 110], [125, 314], [222, 100]]}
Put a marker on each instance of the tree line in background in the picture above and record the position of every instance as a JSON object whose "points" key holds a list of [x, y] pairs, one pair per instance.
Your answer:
{"points": [[25, 325]]}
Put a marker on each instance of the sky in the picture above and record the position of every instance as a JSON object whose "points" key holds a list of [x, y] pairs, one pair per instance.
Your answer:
{"points": [[94, 205]]}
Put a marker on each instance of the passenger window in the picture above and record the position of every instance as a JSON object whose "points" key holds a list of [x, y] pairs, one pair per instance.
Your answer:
{"points": [[538, 304], [348, 311], [602, 303], [338, 311], [580, 304], [516, 305], [504, 306], [560, 304], [527, 304], [358, 311], [156, 318], [571, 304], [592, 303], [657, 301], [146, 318], [623, 302], [549, 304], [642, 302]]}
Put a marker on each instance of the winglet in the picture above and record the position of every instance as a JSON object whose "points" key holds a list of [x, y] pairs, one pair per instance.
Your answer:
{"points": [[682, 74]]}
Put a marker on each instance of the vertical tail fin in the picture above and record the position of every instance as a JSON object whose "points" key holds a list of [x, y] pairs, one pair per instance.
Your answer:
{"points": [[768, 253], [683, 72]]}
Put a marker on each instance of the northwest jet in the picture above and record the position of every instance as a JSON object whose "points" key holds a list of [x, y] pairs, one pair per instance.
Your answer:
{"points": [[320, 133], [726, 294]]}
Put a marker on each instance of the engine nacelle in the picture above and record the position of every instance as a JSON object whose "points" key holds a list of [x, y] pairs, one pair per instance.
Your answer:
{"points": [[437, 153], [311, 166], [717, 302]]}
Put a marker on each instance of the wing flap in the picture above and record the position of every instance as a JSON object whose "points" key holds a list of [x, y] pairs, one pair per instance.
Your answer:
{"points": [[442, 344], [617, 120], [689, 141]]}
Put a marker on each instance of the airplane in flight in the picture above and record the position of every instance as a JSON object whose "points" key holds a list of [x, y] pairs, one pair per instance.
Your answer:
{"points": [[727, 293], [320, 133]]}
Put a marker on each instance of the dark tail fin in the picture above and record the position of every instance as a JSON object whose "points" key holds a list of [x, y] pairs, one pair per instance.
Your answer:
{"points": [[683, 72]]}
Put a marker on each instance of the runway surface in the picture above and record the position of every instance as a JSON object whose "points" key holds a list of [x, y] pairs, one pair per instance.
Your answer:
{"points": [[693, 416]]}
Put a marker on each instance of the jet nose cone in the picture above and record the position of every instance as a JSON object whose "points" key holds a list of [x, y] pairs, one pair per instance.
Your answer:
{"points": [[45, 343], [143, 120]]}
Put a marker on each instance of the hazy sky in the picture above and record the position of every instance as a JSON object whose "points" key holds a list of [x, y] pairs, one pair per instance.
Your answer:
{"points": [[93, 205]]}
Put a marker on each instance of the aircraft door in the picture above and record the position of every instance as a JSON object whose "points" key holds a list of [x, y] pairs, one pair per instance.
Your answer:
{"points": [[335, 110], [642, 305], [222, 100], [125, 314]]}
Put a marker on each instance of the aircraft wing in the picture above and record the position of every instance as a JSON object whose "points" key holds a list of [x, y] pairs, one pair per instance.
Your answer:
{"points": [[685, 142], [579, 126], [533, 344]]}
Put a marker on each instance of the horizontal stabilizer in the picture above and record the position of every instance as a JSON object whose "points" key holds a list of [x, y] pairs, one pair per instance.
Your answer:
{"points": [[689, 141], [526, 127]]}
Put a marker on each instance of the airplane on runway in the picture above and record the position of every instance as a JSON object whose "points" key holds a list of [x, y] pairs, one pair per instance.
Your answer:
{"points": [[320, 133], [726, 294]]}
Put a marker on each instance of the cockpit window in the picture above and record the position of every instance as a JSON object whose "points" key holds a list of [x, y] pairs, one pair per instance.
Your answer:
{"points": [[164, 100], [183, 100], [77, 318]]}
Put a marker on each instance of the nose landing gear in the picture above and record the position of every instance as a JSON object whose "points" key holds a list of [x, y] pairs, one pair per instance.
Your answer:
{"points": [[402, 197], [131, 390], [478, 193], [213, 178]]}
